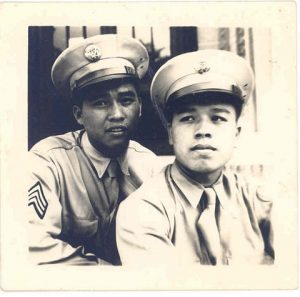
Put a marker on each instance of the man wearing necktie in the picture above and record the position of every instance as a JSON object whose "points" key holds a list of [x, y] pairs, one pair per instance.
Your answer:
{"points": [[78, 179], [196, 211]]}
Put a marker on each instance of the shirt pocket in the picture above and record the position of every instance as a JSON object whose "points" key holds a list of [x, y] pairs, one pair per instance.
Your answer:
{"points": [[77, 229]]}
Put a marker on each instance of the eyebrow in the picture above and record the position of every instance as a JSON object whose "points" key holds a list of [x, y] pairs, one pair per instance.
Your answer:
{"points": [[127, 93], [192, 109], [217, 109], [185, 109], [104, 94]]}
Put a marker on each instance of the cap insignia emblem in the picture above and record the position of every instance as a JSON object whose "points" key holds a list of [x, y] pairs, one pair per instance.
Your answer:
{"points": [[202, 68], [92, 53]]}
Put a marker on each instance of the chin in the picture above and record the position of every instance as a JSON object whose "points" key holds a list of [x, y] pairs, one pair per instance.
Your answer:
{"points": [[206, 169], [119, 148], [113, 149]]}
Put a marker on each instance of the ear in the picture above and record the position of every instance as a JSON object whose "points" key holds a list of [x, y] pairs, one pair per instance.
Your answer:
{"points": [[77, 112], [237, 135], [170, 136], [238, 131], [140, 102]]}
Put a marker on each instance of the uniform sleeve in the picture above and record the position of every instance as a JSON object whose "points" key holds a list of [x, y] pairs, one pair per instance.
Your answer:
{"points": [[143, 163], [44, 211], [157, 164], [144, 233], [263, 204]]}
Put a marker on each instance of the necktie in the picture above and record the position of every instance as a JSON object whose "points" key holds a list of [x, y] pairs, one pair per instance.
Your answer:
{"points": [[107, 239], [208, 227], [111, 183]]}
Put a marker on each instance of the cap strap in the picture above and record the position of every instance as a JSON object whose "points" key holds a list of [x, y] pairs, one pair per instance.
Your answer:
{"points": [[102, 75], [200, 87]]}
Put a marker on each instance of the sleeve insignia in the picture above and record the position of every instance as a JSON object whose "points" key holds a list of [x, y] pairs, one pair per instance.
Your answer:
{"points": [[37, 199]]}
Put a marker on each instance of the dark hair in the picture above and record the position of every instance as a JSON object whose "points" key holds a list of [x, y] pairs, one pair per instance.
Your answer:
{"points": [[203, 98], [79, 95]]}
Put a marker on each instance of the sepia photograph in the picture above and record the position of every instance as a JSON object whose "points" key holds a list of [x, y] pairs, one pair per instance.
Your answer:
{"points": [[151, 146]]}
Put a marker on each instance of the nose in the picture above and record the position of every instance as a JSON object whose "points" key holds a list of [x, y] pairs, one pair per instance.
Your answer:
{"points": [[116, 112], [203, 129]]}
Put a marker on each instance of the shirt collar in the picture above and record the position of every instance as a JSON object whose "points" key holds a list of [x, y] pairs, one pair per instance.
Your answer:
{"points": [[99, 161], [193, 190]]}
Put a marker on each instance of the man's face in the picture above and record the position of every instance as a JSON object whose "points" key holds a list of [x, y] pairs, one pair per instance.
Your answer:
{"points": [[203, 136], [109, 115]]}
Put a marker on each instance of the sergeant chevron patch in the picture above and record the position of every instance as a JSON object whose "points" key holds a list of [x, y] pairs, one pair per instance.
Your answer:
{"points": [[37, 199]]}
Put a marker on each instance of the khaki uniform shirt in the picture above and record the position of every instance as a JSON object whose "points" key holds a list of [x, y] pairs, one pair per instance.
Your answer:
{"points": [[71, 217], [157, 223]]}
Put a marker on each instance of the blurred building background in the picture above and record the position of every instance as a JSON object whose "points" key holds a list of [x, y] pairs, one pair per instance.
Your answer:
{"points": [[49, 115]]}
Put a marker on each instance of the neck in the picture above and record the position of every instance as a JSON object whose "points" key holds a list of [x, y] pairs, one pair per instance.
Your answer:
{"points": [[206, 179], [110, 152]]}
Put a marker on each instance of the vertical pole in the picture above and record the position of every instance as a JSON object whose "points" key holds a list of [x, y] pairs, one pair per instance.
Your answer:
{"points": [[67, 35], [84, 32], [252, 63]]}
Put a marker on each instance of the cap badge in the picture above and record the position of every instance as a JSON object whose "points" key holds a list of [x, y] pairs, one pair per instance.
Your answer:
{"points": [[202, 68], [92, 53]]}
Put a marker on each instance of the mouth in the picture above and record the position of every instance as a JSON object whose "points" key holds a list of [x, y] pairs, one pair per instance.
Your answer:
{"points": [[117, 130], [203, 147]]}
